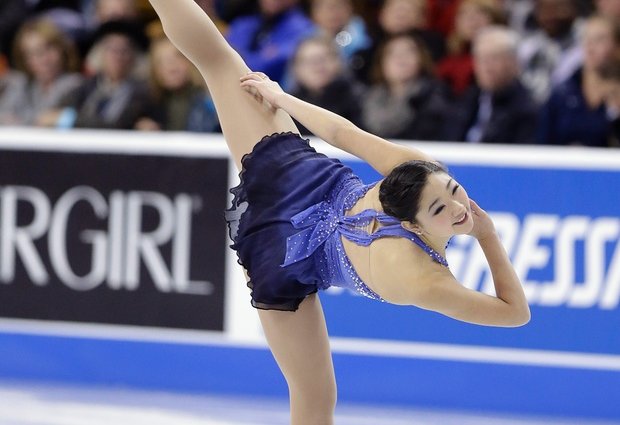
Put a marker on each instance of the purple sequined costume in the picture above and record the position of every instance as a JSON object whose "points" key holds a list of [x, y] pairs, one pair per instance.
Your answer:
{"points": [[287, 219]]}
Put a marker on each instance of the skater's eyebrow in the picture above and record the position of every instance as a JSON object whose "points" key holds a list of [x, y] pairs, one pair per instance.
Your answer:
{"points": [[437, 200]]}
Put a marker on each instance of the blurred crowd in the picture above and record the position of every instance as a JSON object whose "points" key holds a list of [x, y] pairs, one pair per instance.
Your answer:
{"points": [[477, 71]]}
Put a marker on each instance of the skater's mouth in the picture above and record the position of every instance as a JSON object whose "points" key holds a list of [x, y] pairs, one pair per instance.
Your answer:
{"points": [[462, 220]]}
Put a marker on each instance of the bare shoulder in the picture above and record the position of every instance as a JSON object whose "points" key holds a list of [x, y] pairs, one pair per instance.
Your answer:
{"points": [[401, 272]]}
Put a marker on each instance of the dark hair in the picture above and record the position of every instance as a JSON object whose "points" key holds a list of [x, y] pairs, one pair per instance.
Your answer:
{"points": [[401, 190]]}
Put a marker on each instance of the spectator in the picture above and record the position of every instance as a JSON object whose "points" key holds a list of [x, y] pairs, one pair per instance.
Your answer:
{"points": [[399, 17], [267, 40], [406, 102], [101, 12], [181, 100], [575, 113], [47, 63], [336, 18], [320, 79], [457, 69], [610, 8], [499, 109], [551, 54], [112, 98]]}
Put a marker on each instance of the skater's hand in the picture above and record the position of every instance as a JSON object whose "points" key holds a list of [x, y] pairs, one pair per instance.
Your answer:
{"points": [[262, 88], [483, 225]]}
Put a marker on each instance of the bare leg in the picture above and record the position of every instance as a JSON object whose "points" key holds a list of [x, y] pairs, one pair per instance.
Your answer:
{"points": [[244, 121], [298, 340], [300, 345]]}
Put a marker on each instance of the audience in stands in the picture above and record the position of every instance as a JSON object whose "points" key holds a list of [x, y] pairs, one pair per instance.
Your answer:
{"points": [[576, 113], [46, 65], [319, 77], [367, 60], [499, 109], [406, 101]]}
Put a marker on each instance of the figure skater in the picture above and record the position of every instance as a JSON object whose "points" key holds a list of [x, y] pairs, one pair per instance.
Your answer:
{"points": [[301, 221]]}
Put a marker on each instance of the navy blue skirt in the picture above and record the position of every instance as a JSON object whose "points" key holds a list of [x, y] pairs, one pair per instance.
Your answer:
{"points": [[282, 176]]}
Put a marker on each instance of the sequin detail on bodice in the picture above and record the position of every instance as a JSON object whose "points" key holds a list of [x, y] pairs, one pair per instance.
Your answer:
{"points": [[323, 224]]}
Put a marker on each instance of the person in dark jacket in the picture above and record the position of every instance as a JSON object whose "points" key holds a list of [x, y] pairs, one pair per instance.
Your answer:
{"points": [[575, 113], [499, 109], [112, 98], [320, 78]]}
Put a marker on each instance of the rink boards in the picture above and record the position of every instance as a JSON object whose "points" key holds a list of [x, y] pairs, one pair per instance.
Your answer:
{"points": [[114, 270]]}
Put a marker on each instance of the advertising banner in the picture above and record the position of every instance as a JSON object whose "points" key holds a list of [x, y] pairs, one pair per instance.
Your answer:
{"points": [[117, 249], [113, 238]]}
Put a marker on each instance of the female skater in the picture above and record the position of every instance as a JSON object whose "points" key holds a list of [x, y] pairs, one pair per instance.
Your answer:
{"points": [[301, 221]]}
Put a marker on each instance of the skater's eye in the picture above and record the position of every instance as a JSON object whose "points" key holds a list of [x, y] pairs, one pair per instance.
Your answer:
{"points": [[438, 210], [455, 189]]}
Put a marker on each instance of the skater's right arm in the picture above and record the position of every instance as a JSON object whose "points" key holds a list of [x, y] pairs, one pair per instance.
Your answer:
{"points": [[381, 154]]}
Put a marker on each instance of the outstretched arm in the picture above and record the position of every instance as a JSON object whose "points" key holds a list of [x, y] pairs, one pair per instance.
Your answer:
{"points": [[442, 293], [382, 155]]}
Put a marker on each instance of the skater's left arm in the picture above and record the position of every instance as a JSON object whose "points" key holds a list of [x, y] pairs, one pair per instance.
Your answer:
{"points": [[381, 154]]}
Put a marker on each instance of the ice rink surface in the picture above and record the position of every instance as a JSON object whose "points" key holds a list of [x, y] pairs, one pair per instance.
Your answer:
{"points": [[36, 404]]}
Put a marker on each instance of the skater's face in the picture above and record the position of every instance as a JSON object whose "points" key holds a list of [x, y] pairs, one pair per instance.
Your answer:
{"points": [[444, 208]]}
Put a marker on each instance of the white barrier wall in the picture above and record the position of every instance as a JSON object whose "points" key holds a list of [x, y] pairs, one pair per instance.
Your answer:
{"points": [[114, 270]]}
